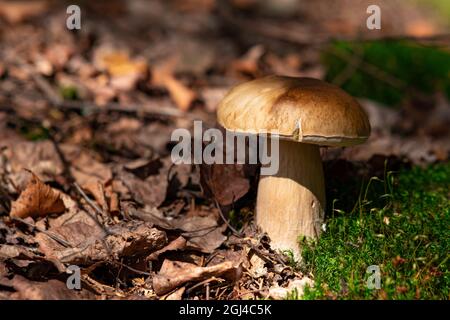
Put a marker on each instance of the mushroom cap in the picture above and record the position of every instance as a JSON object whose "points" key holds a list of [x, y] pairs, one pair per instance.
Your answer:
{"points": [[300, 109]]}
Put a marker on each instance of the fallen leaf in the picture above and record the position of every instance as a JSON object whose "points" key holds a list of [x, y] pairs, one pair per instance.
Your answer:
{"points": [[90, 244], [3, 270], [143, 168], [37, 200], [18, 11], [213, 96], [49, 290], [177, 244], [40, 157], [150, 191], [203, 233], [249, 62], [181, 94], [176, 295], [238, 179], [280, 293], [257, 266], [175, 273], [85, 168], [124, 71]]}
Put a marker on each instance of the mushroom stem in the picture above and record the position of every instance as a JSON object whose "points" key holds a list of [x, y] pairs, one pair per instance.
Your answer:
{"points": [[291, 203]]}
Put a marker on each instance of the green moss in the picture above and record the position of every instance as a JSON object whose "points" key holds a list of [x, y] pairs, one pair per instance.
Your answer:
{"points": [[408, 238], [388, 71], [69, 92], [34, 132]]}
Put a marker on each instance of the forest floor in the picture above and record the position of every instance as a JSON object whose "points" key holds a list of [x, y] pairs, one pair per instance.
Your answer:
{"points": [[86, 177]]}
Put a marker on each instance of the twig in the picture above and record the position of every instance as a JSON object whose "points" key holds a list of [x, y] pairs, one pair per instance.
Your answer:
{"points": [[88, 200], [47, 233], [94, 206], [207, 281], [237, 233], [132, 269]]}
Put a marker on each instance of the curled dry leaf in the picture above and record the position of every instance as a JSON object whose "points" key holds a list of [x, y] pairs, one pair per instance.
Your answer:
{"points": [[90, 244], [175, 273], [181, 94], [177, 244], [37, 200]]}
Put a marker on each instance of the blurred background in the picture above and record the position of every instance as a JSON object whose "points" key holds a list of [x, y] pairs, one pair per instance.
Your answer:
{"points": [[182, 56], [96, 107]]}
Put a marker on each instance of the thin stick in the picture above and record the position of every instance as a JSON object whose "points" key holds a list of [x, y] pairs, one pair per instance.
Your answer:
{"points": [[93, 205], [47, 233], [132, 269], [204, 282], [237, 233], [88, 200]]}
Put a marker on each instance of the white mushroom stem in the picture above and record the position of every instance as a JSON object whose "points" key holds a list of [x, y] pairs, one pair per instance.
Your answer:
{"points": [[291, 203]]}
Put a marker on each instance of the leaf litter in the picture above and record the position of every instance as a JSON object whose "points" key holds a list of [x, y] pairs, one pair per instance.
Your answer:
{"points": [[85, 171]]}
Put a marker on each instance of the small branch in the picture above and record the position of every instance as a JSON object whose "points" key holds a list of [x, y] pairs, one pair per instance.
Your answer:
{"points": [[96, 208], [47, 233], [132, 269], [88, 200], [237, 233]]}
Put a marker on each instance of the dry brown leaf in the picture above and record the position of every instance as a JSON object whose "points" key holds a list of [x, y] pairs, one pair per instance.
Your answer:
{"points": [[37, 200], [96, 189], [118, 63], [152, 190], [18, 11], [40, 157], [176, 295], [257, 266], [90, 244], [238, 177], [89, 173], [177, 244], [24, 289], [175, 273], [249, 62], [280, 293], [181, 94], [203, 233], [124, 71]]}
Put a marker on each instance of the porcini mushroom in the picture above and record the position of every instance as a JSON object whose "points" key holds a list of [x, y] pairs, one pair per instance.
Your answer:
{"points": [[306, 113]]}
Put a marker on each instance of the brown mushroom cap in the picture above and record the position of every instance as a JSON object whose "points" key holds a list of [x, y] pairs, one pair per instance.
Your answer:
{"points": [[301, 109]]}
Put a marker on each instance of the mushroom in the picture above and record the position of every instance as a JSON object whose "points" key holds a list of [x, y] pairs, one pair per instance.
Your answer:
{"points": [[306, 113]]}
